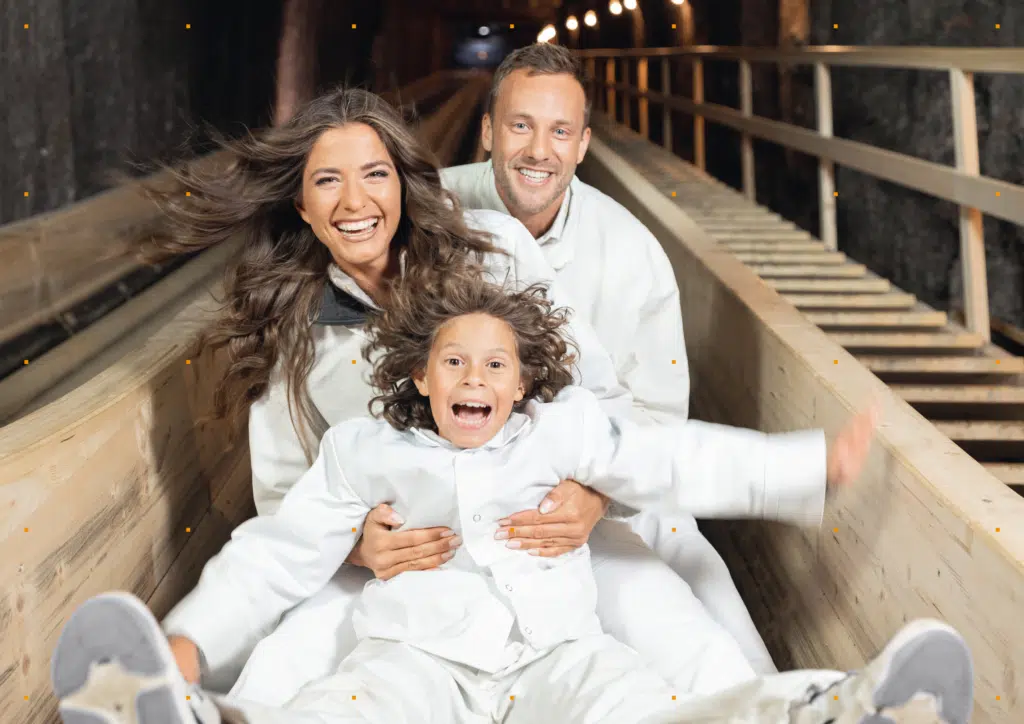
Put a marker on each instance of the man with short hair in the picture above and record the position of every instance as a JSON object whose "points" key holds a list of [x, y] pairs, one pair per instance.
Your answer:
{"points": [[621, 282]]}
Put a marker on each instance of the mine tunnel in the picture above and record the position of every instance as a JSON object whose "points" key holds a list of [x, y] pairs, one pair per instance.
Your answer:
{"points": [[837, 188]]}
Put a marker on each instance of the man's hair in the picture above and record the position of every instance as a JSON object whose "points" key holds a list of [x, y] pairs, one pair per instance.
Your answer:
{"points": [[404, 333], [541, 59]]}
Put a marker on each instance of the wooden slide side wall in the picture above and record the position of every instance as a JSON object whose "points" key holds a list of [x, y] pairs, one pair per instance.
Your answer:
{"points": [[926, 532]]}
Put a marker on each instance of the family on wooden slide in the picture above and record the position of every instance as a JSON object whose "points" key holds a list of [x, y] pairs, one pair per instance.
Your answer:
{"points": [[476, 483]]}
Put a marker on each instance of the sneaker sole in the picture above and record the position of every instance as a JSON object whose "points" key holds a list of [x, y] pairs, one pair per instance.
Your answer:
{"points": [[926, 657], [117, 628]]}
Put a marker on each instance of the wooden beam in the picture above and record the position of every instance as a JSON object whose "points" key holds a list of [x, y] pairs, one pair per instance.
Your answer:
{"points": [[943, 365], [832, 286], [742, 246], [972, 237], [982, 430], [894, 300], [971, 60], [1009, 473], [880, 320], [830, 258], [961, 394], [844, 271], [942, 341]]}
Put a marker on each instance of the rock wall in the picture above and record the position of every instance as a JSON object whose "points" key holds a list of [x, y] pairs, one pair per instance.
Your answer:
{"points": [[910, 238]]}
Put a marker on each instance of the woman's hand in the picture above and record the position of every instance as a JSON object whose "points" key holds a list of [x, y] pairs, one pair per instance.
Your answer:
{"points": [[849, 451], [561, 524], [388, 553], [186, 655]]}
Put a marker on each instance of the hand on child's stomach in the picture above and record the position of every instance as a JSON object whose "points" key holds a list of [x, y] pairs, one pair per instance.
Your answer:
{"points": [[388, 553], [561, 524], [186, 655], [850, 449]]}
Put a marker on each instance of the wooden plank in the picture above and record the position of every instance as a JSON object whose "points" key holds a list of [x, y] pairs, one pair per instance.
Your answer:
{"points": [[887, 320], [769, 246], [961, 394], [766, 234], [843, 271], [829, 258], [982, 430], [895, 300], [831, 286], [908, 340], [916, 536], [972, 237], [943, 365], [102, 492], [1009, 473]]}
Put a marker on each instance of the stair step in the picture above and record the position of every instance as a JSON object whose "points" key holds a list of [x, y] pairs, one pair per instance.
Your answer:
{"points": [[909, 340], [765, 234], [1009, 473], [831, 286], [961, 394], [801, 271], [881, 320], [982, 430], [893, 300], [747, 247], [943, 365], [782, 258]]}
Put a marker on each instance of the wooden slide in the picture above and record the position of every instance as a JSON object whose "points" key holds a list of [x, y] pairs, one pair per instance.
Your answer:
{"points": [[115, 485]]}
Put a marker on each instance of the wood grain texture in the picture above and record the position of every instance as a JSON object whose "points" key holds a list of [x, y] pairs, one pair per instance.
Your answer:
{"points": [[915, 537]]}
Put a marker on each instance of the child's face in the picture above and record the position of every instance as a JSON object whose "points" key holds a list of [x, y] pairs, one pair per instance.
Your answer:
{"points": [[472, 379]]}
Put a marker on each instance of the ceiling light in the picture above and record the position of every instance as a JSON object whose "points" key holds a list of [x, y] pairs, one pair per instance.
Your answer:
{"points": [[615, 8], [572, 23], [590, 19]]}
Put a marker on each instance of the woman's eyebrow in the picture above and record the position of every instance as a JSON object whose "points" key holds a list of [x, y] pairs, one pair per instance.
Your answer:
{"points": [[364, 167]]}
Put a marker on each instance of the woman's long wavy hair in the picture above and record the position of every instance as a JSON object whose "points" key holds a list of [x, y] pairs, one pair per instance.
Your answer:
{"points": [[274, 287], [402, 335]]}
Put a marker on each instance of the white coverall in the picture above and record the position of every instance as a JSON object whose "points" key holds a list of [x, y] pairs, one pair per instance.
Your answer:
{"points": [[457, 644]]}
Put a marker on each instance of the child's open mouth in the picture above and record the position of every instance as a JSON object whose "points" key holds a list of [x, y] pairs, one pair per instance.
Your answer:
{"points": [[471, 415]]}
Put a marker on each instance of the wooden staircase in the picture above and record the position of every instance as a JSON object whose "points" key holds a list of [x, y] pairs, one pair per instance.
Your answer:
{"points": [[973, 391]]}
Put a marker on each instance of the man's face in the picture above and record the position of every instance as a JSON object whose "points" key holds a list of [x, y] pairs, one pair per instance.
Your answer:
{"points": [[536, 139]]}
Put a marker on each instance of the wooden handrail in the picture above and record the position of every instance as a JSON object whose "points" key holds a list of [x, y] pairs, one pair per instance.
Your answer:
{"points": [[961, 184], [971, 60]]}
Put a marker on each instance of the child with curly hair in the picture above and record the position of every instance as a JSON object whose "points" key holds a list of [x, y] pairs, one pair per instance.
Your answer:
{"points": [[480, 419]]}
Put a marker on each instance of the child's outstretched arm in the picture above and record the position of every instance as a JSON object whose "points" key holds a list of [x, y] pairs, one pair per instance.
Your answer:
{"points": [[716, 471], [272, 563]]}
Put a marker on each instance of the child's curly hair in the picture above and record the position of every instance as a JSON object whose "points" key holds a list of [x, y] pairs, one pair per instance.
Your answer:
{"points": [[405, 333]]}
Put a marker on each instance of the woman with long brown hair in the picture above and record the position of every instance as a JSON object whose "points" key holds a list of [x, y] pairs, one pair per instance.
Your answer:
{"points": [[331, 209]]}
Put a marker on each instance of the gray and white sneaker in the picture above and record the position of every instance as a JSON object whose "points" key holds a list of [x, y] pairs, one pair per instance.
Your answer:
{"points": [[112, 665], [924, 675]]}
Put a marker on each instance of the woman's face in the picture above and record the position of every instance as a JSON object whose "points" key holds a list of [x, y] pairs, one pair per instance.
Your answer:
{"points": [[352, 198]]}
